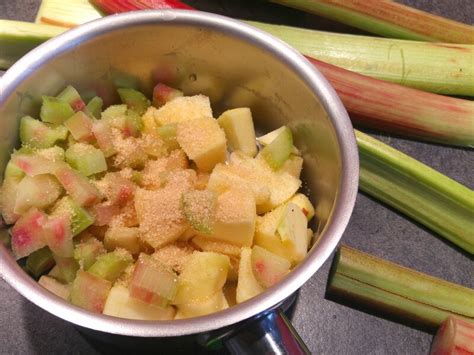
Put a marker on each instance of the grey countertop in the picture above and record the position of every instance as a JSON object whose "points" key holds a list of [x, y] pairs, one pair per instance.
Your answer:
{"points": [[327, 327]]}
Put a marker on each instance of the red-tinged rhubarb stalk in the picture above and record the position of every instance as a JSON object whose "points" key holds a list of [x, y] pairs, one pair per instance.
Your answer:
{"points": [[422, 193], [387, 18], [117, 6], [455, 336], [396, 290], [397, 109]]}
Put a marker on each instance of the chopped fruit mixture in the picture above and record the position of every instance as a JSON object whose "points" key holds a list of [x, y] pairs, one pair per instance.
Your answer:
{"points": [[154, 210]]}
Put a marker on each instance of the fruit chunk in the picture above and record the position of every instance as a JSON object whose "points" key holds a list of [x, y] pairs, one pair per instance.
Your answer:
{"points": [[268, 268], [214, 303], [199, 208], [111, 265], [117, 189], [104, 213], [174, 255], [8, 194], [40, 262], [208, 244], [94, 107], [235, 217], [168, 134], [115, 116], [203, 141], [278, 151], [152, 282], [80, 126], [58, 236], [455, 336], [78, 217], [103, 136], [28, 234], [184, 109], [81, 190], [247, 284], [53, 154], [134, 99], [122, 237], [163, 93], [12, 171], [270, 137], [86, 253], [85, 158], [65, 269], [89, 291], [33, 164], [293, 231], [293, 166], [54, 110], [72, 97], [36, 134], [38, 191], [120, 304], [239, 130], [303, 202], [203, 275], [55, 287]]}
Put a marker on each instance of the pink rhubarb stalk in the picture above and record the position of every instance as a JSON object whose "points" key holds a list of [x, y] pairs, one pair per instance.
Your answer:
{"points": [[454, 337]]}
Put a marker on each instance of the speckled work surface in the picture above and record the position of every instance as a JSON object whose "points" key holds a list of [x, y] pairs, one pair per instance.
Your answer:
{"points": [[326, 327]]}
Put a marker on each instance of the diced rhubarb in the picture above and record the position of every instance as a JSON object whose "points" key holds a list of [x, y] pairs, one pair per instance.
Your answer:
{"points": [[38, 191], [94, 107], [117, 189], [58, 236], [13, 171], [153, 282], [52, 285], [28, 233], [89, 291], [86, 253], [163, 93], [267, 267], [111, 265], [133, 124], [72, 97], [78, 217], [33, 164], [134, 99], [55, 111], [115, 116], [85, 158], [104, 212], [36, 134], [40, 262], [8, 194], [65, 269], [53, 154], [80, 126], [103, 136], [200, 208], [81, 190]]}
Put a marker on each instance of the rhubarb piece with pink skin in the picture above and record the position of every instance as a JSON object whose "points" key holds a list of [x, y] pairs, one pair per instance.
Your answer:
{"points": [[163, 93], [89, 291], [28, 233], [455, 336]]}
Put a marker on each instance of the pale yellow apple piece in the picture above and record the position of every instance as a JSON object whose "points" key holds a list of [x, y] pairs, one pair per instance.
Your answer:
{"points": [[54, 286], [305, 204], [293, 231], [182, 109], [247, 284], [208, 244], [214, 303], [239, 130], [293, 166], [122, 237], [270, 136]]}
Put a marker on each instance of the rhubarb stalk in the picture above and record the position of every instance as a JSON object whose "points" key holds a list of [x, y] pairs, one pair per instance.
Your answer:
{"points": [[397, 290], [455, 336], [388, 18], [422, 193]]}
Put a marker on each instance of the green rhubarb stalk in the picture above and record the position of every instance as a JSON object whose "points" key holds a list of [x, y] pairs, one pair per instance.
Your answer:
{"points": [[422, 193], [397, 290], [388, 18]]}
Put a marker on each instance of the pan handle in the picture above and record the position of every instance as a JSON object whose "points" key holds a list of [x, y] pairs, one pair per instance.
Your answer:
{"points": [[270, 334]]}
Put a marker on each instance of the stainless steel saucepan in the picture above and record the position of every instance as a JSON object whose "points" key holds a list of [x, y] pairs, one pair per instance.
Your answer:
{"points": [[236, 65]]}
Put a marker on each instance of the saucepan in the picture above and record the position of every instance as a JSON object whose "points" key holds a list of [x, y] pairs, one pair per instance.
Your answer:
{"points": [[235, 65]]}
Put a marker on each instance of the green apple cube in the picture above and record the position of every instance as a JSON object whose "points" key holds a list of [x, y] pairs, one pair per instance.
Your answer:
{"points": [[203, 274], [122, 237], [86, 253], [304, 203], [85, 158], [36, 134], [134, 100], [199, 207], [153, 282], [72, 97], [103, 136], [94, 107], [61, 290], [81, 190], [40, 262], [58, 236], [247, 284], [278, 151], [8, 193], [28, 234], [120, 304], [293, 231], [239, 130], [267, 267], [38, 191], [270, 137], [111, 265], [78, 217], [65, 270], [80, 126], [163, 93], [55, 111], [89, 291]]}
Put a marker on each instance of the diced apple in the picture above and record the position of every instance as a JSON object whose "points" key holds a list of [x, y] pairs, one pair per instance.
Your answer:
{"points": [[199, 208], [80, 126], [115, 116], [58, 236], [12, 171], [86, 253], [120, 304], [65, 269], [168, 135], [103, 136], [89, 291], [270, 137], [217, 246], [293, 166], [148, 121], [203, 275], [303, 202], [55, 111], [111, 265], [8, 194], [153, 282], [174, 255], [278, 151], [72, 97], [28, 234], [36, 134], [293, 231], [53, 286], [214, 303], [268, 268], [163, 93], [239, 130], [184, 109], [78, 217], [235, 217], [38, 191], [39, 262], [122, 237], [203, 141], [85, 158], [134, 99], [104, 213], [247, 284]]}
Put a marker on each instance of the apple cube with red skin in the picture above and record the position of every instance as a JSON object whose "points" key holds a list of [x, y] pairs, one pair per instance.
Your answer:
{"points": [[58, 236], [267, 267], [28, 233], [163, 93], [89, 291]]}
